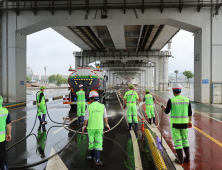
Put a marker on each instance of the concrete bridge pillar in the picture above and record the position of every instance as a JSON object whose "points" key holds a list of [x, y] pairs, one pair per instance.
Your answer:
{"points": [[13, 60]]}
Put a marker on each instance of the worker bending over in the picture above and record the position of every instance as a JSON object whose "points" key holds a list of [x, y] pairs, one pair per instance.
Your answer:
{"points": [[148, 99], [81, 104], [180, 120], [5, 134], [131, 106], [41, 106], [95, 113]]}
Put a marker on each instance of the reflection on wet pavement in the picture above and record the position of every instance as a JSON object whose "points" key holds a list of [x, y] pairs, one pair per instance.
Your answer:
{"points": [[33, 150]]}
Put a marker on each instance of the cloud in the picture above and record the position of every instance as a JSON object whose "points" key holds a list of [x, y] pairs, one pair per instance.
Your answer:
{"points": [[48, 48], [182, 49]]}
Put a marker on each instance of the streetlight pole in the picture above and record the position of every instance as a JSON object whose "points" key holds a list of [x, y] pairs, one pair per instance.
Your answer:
{"points": [[45, 75], [176, 71]]}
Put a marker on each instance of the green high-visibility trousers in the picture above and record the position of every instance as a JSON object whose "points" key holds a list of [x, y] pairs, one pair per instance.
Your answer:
{"points": [[81, 109], [95, 139], [132, 114], [150, 111], [41, 109], [180, 138]]}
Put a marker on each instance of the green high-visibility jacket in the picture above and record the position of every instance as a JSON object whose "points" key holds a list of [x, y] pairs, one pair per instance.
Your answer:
{"points": [[3, 117], [81, 98], [96, 113], [149, 100], [38, 98], [128, 95], [179, 110]]}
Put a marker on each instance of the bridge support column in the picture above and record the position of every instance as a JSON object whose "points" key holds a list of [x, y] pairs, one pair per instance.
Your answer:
{"points": [[0, 54], [13, 60]]}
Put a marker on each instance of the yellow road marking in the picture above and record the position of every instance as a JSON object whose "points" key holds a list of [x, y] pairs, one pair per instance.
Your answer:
{"points": [[208, 136], [33, 114]]}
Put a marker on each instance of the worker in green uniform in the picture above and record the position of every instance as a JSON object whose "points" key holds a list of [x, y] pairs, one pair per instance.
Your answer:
{"points": [[5, 134], [149, 99], [180, 120], [131, 106], [81, 104], [95, 114], [41, 140], [41, 105]]}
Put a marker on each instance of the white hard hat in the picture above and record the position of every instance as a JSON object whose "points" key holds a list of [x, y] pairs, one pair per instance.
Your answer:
{"points": [[80, 85], [93, 94], [176, 87]]}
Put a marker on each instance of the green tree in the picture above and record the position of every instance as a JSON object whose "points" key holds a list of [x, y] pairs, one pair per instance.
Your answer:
{"points": [[189, 75], [52, 78], [27, 78], [58, 78], [64, 80]]}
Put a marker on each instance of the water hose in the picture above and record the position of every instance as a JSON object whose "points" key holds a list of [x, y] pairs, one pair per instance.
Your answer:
{"points": [[45, 160], [104, 131]]}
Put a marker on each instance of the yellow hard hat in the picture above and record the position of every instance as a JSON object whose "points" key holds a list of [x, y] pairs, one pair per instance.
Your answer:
{"points": [[147, 90]]}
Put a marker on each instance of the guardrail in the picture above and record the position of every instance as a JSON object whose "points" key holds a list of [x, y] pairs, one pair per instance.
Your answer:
{"points": [[57, 98], [15, 105]]}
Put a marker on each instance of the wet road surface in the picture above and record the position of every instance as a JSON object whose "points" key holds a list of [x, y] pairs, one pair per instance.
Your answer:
{"points": [[74, 156], [205, 152]]}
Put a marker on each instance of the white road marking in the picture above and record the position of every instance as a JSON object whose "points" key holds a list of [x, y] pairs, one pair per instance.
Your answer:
{"points": [[58, 130], [55, 163]]}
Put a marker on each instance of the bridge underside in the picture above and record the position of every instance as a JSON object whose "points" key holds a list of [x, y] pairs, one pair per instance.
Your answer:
{"points": [[126, 37]]}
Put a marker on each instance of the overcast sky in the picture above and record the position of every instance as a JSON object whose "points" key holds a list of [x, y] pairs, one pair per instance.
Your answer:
{"points": [[48, 48]]}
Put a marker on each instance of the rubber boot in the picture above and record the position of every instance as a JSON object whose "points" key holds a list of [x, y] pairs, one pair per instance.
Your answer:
{"points": [[136, 125], [92, 155], [97, 161], [4, 167], [150, 121], [154, 120], [187, 153], [79, 120], [130, 125], [179, 160]]}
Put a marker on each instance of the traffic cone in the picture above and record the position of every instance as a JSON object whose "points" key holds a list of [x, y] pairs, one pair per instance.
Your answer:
{"points": [[142, 124]]}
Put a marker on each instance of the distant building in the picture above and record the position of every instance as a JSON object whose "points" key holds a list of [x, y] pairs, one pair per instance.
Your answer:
{"points": [[65, 76], [37, 77]]}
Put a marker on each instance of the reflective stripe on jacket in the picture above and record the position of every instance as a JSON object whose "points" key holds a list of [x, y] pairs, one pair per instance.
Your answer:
{"points": [[179, 110], [3, 117], [96, 112], [81, 97]]}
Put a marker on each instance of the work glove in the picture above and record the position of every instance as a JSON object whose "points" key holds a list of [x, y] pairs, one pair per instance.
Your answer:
{"points": [[83, 128], [124, 107], [108, 126], [38, 104], [190, 125], [75, 98]]}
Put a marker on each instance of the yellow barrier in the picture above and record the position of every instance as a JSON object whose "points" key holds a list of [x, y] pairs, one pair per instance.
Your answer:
{"points": [[15, 105], [158, 160]]}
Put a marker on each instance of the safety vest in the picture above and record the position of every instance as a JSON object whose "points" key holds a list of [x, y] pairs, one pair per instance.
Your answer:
{"points": [[3, 117], [149, 100], [81, 98], [128, 97], [38, 98], [179, 110], [96, 112]]}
